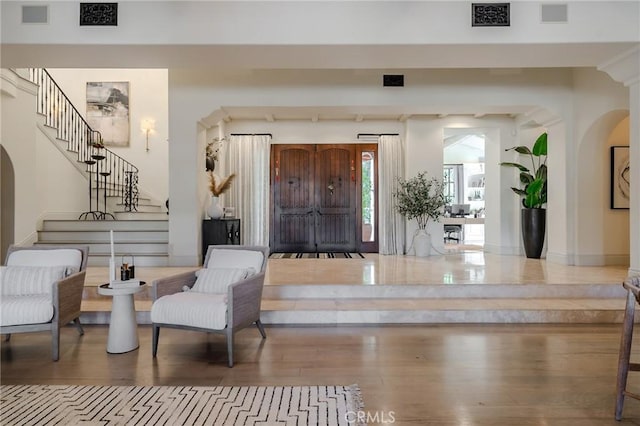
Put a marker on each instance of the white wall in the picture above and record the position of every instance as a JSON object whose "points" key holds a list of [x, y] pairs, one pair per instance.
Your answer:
{"points": [[421, 32], [18, 137], [602, 234], [148, 98], [62, 190]]}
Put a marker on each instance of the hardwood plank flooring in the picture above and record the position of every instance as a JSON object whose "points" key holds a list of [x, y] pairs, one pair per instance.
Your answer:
{"points": [[420, 375]]}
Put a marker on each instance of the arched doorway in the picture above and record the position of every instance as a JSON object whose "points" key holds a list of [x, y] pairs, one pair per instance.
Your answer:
{"points": [[7, 202]]}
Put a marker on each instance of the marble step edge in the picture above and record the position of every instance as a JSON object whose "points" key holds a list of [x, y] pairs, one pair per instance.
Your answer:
{"points": [[429, 317], [339, 291], [63, 225], [431, 291]]}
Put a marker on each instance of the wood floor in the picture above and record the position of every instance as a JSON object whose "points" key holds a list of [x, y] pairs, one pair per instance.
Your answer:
{"points": [[418, 375]]}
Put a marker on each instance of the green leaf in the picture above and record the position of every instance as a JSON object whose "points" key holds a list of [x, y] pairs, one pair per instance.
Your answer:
{"points": [[540, 147], [541, 173], [526, 178], [534, 187], [521, 150], [519, 191], [519, 166]]}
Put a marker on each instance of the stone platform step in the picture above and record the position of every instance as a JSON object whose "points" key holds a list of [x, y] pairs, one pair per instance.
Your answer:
{"points": [[418, 304], [82, 236], [160, 224]]}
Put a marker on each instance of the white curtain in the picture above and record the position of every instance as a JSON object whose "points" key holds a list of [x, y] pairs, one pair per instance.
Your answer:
{"points": [[390, 166], [248, 158]]}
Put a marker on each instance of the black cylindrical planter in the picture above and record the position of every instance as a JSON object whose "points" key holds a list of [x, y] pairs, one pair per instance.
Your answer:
{"points": [[533, 228]]}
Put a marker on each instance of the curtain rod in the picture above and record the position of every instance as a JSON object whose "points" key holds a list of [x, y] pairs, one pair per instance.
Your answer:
{"points": [[377, 134], [252, 134]]}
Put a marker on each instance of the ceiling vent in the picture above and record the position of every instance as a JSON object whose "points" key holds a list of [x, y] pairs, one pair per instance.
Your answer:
{"points": [[35, 14], [393, 80], [98, 14], [553, 13]]}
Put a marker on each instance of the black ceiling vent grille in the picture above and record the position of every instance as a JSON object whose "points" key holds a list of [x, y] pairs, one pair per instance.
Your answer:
{"points": [[393, 80], [99, 14], [490, 15]]}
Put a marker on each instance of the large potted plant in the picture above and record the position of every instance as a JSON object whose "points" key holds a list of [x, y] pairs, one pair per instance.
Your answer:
{"points": [[421, 198], [534, 195]]}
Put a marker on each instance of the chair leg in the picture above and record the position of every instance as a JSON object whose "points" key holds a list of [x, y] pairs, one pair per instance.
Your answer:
{"points": [[55, 341], [79, 326], [155, 336], [230, 346], [625, 353], [7, 337], [261, 329]]}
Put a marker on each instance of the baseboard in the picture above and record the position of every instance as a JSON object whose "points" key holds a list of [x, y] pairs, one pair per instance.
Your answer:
{"points": [[560, 258], [602, 260], [503, 250]]}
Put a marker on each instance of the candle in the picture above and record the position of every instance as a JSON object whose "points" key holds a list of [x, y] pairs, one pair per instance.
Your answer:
{"points": [[113, 254], [112, 260]]}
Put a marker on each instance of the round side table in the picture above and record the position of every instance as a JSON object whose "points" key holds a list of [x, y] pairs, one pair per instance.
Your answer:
{"points": [[123, 327]]}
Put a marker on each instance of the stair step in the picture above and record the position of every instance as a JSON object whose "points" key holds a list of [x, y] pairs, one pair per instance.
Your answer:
{"points": [[103, 236], [135, 248], [161, 224], [439, 291], [411, 311], [147, 259], [140, 215]]}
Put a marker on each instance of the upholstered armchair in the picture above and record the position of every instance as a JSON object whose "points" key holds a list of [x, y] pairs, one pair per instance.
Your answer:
{"points": [[41, 290], [222, 297]]}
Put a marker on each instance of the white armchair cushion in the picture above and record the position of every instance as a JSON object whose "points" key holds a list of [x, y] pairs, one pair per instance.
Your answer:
{"points": [[192, 309], [216, 280], [54, 257], [229, 258], [29, 280], [20, 310]]}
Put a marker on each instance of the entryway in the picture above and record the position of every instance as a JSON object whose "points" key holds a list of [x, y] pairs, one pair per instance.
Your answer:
{"points": [[322, 198]]}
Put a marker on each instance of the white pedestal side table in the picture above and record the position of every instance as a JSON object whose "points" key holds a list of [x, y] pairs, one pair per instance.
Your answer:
{"points": [[123, 327]]}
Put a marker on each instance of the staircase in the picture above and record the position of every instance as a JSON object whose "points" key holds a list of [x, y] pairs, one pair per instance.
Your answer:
{"points": [[147, 240], [140, 224]]}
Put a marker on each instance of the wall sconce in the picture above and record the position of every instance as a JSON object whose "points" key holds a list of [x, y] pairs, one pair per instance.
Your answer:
{"points": [[148, 125]]}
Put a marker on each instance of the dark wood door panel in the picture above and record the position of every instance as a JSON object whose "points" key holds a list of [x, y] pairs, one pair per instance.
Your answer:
{"points": [[335, 198], [314, 198], [294, 198]]}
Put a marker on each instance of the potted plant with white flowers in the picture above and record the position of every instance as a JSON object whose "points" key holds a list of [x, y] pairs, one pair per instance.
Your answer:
{"points": [[423, 199]]}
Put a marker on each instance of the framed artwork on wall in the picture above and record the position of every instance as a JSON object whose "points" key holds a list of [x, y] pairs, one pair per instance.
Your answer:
{"points": [[620, 178], [108, 111]]}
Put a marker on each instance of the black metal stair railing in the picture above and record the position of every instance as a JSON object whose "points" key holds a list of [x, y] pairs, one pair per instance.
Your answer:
{"points": [[113, 174]]}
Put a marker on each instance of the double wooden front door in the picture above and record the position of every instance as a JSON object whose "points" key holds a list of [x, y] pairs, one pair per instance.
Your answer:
{"points": [[314, 198]]}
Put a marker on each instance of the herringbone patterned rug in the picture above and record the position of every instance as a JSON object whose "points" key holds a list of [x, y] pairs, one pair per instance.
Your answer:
{"points": [[178, 405]]}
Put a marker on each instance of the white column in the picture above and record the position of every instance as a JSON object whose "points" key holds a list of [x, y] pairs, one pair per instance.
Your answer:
{"points": [[634, 157], [561, 198]]}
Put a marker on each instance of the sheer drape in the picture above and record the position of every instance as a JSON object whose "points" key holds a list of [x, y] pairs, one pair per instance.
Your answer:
{"points": [[391, 166], [248, 158]]}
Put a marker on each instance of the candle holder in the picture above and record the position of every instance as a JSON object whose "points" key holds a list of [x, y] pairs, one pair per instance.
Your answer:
{"points": [[127, 270]]}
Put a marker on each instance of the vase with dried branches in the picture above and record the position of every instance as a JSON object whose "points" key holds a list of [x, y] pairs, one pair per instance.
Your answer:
{"points": [[217, 188]]}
